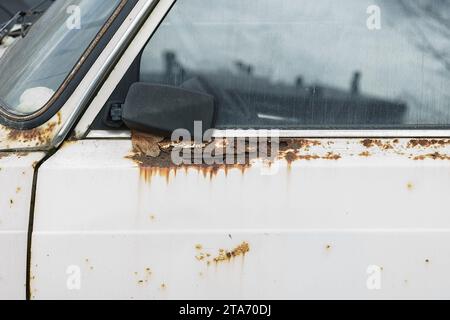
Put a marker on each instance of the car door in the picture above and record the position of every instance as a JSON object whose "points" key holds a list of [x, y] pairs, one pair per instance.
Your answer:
{"points": [[342, 190]]}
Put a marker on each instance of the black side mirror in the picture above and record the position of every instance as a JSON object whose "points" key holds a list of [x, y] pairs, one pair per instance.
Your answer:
{"points": [[161, 109]]}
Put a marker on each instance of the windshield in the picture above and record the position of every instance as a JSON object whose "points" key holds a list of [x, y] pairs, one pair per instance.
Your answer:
{"points": [[35, 67]]}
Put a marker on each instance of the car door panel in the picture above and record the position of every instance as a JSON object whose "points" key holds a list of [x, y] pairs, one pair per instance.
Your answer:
{"points": [[16, 182], [312, 228]]}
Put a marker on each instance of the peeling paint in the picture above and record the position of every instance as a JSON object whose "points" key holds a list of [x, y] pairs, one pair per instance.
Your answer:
{"points": [[34, 137], [385, 145], [153, 154], [427, 143]]}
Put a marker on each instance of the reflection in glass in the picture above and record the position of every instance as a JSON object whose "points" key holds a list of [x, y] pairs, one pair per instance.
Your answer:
{"points": [[309, 63], [35, 67]]}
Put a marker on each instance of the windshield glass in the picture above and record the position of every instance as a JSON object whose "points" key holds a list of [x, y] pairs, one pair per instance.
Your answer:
{"points": [[35, 67]]}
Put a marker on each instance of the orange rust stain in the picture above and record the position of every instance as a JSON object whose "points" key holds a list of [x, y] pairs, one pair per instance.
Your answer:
{"points": [[365, 154], [39, 136], [291, 156], [297, 144], [433, 156], [426, 143], [331, 156], [153, 156], [385, 145], [225, 255], [201, 255]]}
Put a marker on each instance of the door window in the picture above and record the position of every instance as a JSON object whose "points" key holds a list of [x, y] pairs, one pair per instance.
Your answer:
{"points": [[309, 64]]}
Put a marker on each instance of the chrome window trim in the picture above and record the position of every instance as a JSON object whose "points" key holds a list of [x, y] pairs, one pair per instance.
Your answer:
{"points": [[126, 134], [336, 133], [109, 134]]}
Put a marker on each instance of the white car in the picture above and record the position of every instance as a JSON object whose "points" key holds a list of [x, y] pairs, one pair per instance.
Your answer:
{"points": [[227, 149]]}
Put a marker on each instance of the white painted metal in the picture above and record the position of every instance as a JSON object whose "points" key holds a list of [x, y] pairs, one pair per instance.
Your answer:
{"points": [[314, 228], [16, 179], [109, 134]]}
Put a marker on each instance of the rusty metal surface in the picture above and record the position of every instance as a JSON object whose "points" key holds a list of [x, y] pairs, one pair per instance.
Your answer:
{"points": [[243, 233], [40, 137], [153, 154]]}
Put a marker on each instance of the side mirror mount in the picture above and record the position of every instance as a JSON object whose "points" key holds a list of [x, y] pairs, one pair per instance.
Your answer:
{"points": [[161, 109]]}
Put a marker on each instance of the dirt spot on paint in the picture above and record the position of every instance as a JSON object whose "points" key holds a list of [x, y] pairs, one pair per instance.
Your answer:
{"points": [[144, 277]]}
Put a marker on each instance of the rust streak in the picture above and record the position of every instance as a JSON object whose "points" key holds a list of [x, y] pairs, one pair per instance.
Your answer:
{"points": [[154, 156]]}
